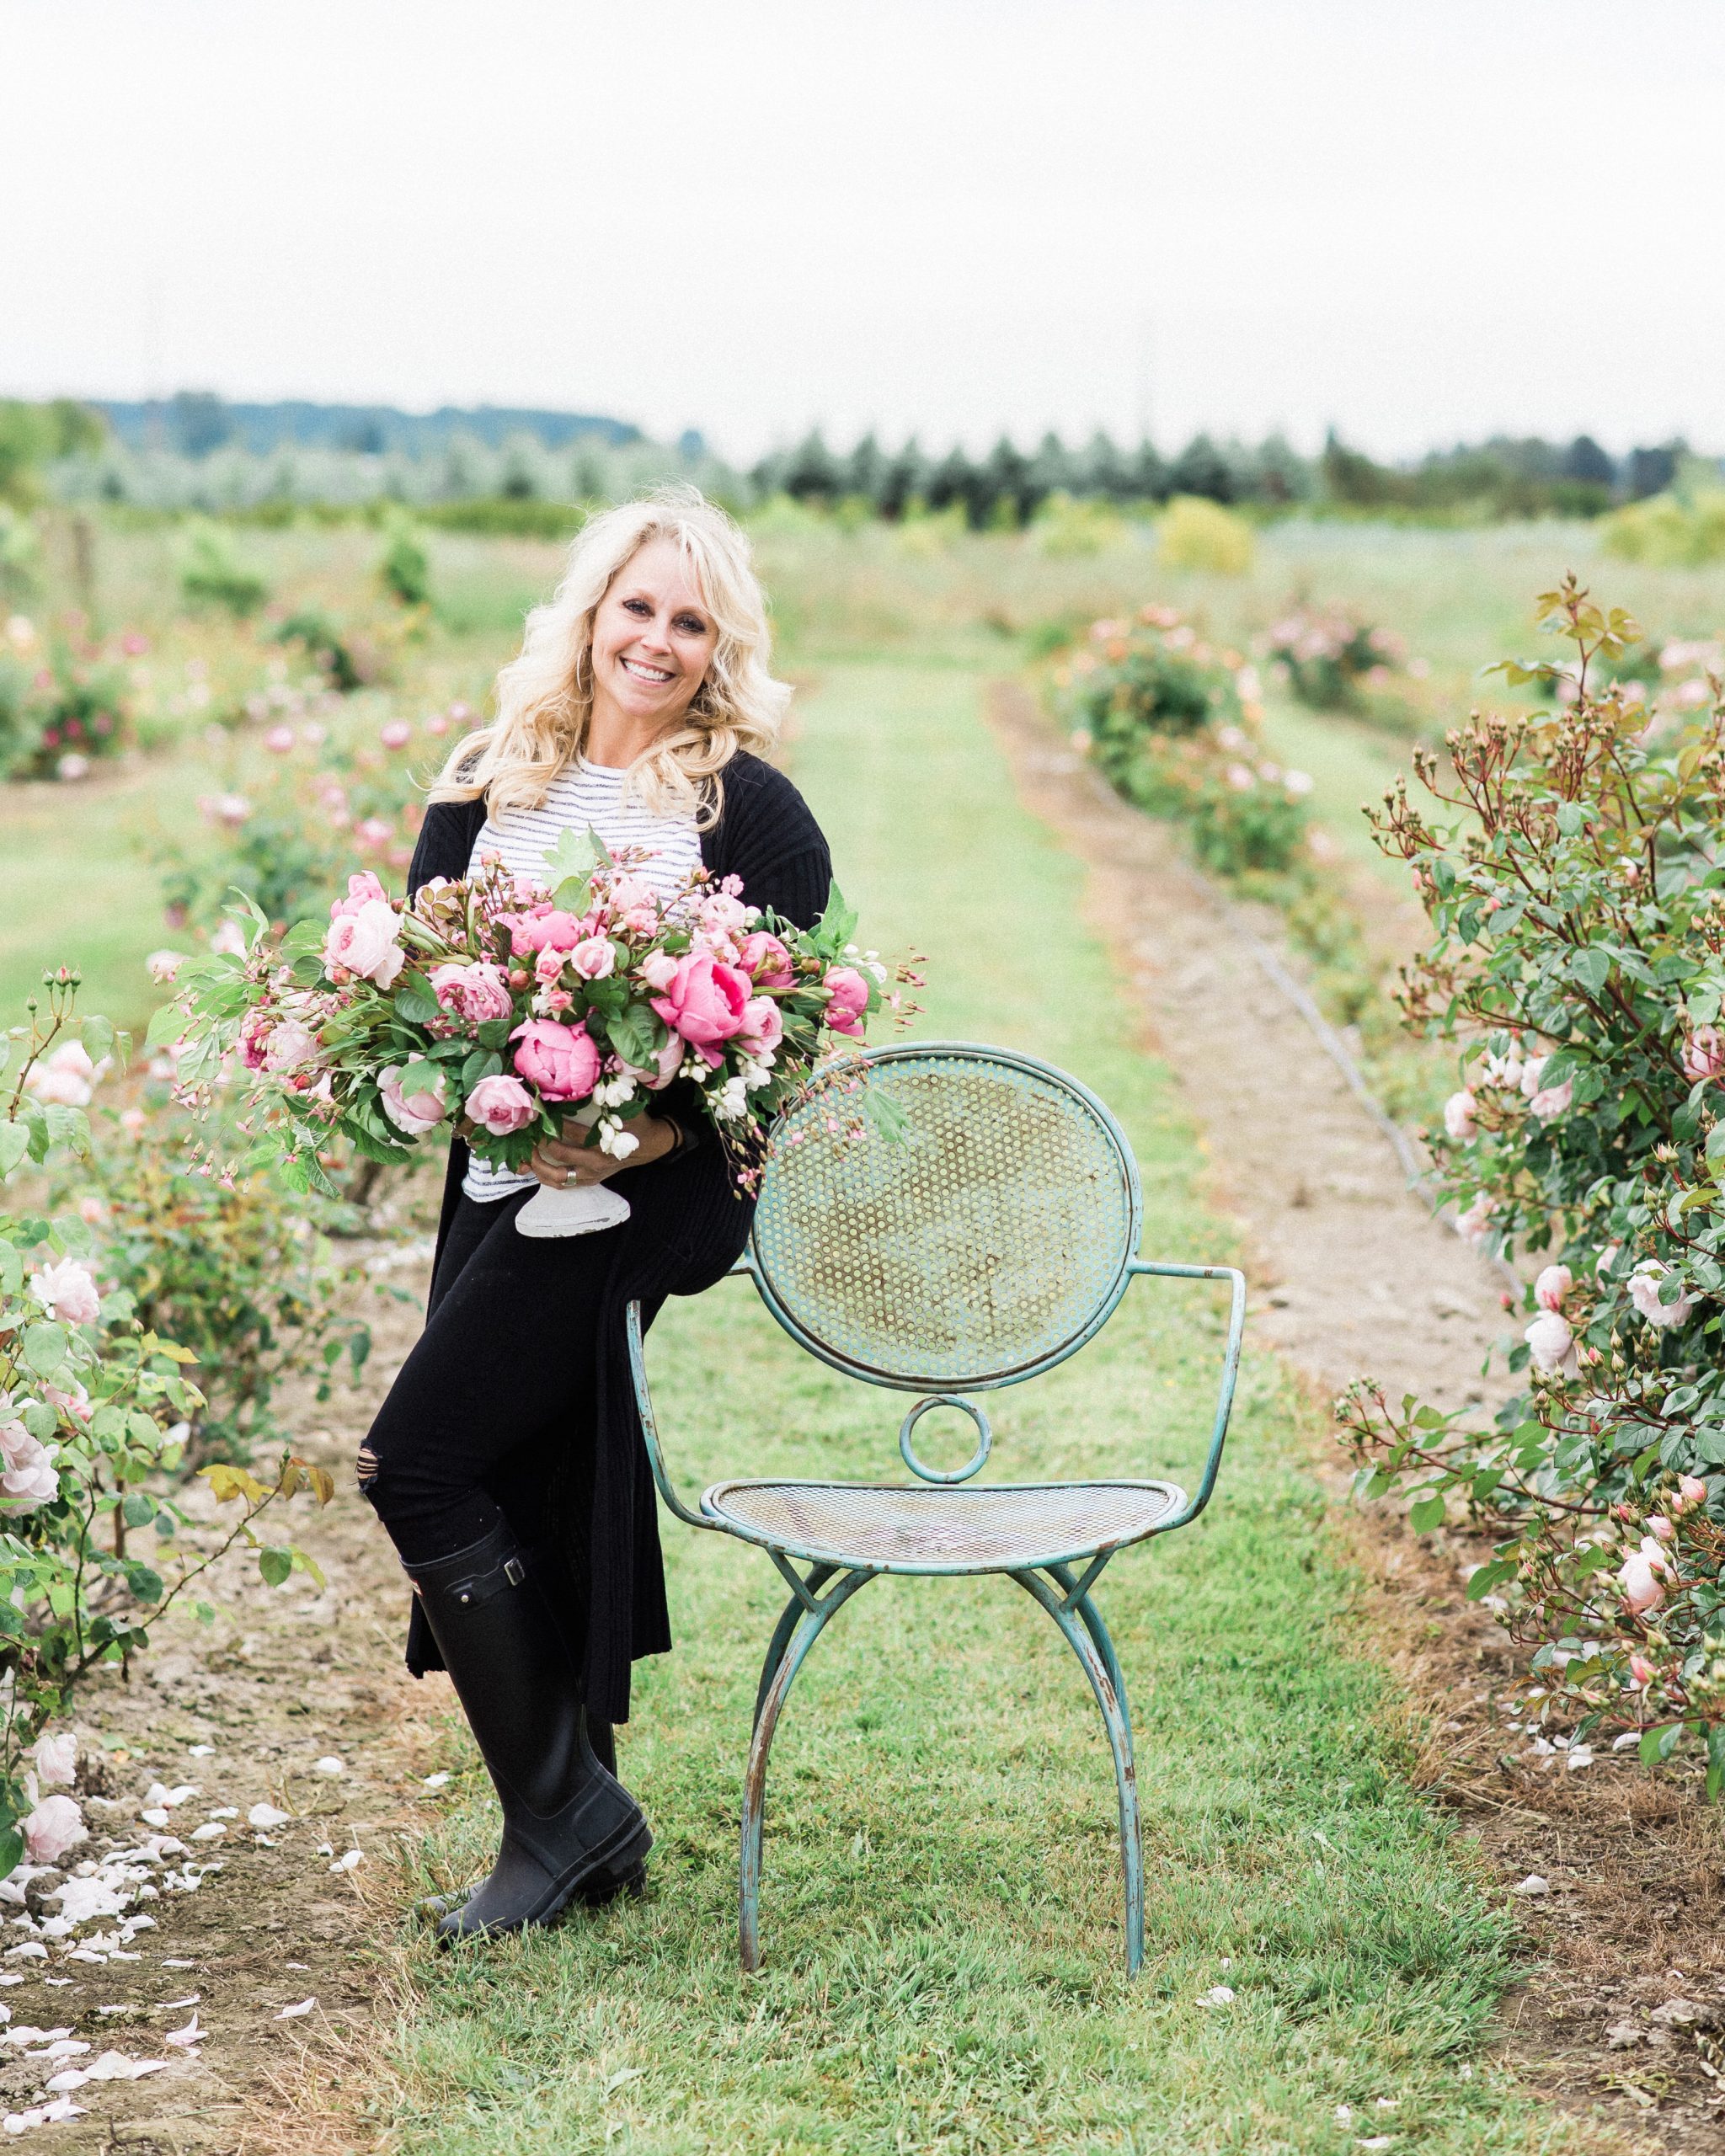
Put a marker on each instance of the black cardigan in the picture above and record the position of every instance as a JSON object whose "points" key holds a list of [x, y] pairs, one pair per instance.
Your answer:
{"points": [[688, 1225]]}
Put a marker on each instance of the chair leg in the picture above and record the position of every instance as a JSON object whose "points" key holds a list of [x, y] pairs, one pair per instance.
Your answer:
{"points": [[805, 1630], [1087, 1637], [1099, 1632], [787, 1624]]}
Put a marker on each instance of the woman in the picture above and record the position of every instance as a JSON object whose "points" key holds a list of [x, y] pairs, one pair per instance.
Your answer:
{"points": [[507, 1463]]}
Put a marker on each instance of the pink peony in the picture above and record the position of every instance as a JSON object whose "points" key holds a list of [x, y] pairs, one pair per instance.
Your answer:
{"points": [[1644, 1293], [849, 1003], [766, 960], [475, 994], [1552, 1285], [763, 1026], [500, 1105], [365, 943], [561, 1060], [1704, 1054], [1458, 1116], [412, 1114], [66, 1291], [289, 1047], [28, 1476], [1551, 1343], [362, 891], [55, 1759], [543, 931], [593, 957], [1552, 1100], [53, 1830], [704, 1001]]}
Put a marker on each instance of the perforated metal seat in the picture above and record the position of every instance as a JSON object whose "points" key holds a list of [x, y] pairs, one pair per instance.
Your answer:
{"points": [[977, 1230], [894, 1527]]}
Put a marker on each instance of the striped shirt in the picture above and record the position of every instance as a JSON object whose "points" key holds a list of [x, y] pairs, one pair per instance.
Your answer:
{"points": [[585, 797]]}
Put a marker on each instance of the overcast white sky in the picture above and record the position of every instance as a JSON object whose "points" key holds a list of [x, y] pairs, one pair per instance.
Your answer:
{"points": [[1417, 222]]}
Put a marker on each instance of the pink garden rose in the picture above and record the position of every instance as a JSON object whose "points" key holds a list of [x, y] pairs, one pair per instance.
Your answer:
{"points": [[763, 1026], [1644, 1293], [365, 943], [766, 961], [1552, 1100], [362, 891], [412, 1114], [1641, 1671], [849, 992], [28, 1476], [561, 1060], [550, 931], [704, 1000], [500, 1105], [473, 994], [1458, 1116], [593, 957], [1690, 1491], [668, 1062], [1704, 1054], [290, 1046], [1642, 1577], [1550, 1342], [65, 1079], [53, 1830], [66, 1291], [659, 969], [1552, 1285], [54, 1760]]}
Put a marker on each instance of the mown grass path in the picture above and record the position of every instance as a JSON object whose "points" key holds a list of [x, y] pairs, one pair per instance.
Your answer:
{"points": [[940, 1908]]}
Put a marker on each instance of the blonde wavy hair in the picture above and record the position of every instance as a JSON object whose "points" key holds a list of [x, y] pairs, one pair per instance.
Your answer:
{"points": [[545, 695]]}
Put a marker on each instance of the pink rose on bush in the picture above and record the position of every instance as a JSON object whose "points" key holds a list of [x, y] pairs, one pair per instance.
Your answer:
{"points": [[1690, 1491], [362, 890], [500, 1105], [412, 1113], [1641, 1672], [67, 1292], [766, 961], [1644, 1293], [28, 1476], [53, 1830], [1642, 1576], [561, 1060], [704, 1001], [290, 1046], [365, 943], [54, 1760], [763, 1026], [1458, 1116], [1552, 1100], [475, 993], [1704, 1054], [849, 992], [593, 957], [1552, 1285], [1550, 1342]]}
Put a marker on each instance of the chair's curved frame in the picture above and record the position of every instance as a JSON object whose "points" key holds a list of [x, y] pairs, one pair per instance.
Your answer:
{"points": [[1053, 1584]]}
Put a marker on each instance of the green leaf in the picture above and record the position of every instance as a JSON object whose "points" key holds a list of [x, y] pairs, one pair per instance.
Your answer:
{"points": [[45, 1347], [145, 1583], [1571, 819], [1656, 1745], [138, 1509], [1716, 1760], [1426, 1514], [14, 1143], [97, 1037], [1489, 1576], [275, 1565], [1592, 967], [415, 1003], [11, 1263], [167, 1022], [11, 1851]]}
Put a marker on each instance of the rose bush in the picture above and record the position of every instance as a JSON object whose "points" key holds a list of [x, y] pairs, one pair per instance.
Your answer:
{"points": [[1578, 902], [1171, 723], [95, 1408], [1326, 656]]}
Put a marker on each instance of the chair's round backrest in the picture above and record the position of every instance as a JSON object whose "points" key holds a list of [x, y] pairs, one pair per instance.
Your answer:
{"points": [[984, 1244]]}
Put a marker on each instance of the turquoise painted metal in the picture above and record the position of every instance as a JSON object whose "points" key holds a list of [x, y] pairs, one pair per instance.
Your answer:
{"points": [[984, 1244]]}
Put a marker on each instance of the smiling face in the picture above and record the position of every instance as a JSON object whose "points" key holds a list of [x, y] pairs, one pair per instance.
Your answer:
{"points": [[654, 638]]}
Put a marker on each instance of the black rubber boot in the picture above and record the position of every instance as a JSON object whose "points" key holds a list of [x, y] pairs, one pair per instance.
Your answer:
{"points": [[569, 1825]]}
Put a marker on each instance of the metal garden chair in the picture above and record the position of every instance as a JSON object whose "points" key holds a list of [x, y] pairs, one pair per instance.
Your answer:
{"points": [[987, 1245]]}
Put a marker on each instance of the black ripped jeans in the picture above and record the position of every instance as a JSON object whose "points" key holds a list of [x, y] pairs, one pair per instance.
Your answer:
{"points": [[478, 1423]]}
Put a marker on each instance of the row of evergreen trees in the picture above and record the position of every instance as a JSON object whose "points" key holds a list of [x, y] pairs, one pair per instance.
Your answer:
{"points": [[1502, 477]]}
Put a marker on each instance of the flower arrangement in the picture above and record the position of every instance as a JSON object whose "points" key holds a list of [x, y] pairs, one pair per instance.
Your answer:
{"points": [[94, 1409], [1327, 654], [505, 1007], [1171, 721], [1578, 902]]}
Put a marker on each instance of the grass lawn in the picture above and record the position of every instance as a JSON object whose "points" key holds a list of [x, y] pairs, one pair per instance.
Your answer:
{"points": [[941, 1907]]}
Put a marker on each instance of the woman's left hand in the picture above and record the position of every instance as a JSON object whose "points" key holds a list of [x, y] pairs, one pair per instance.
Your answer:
{"points": [[568, 1163]]}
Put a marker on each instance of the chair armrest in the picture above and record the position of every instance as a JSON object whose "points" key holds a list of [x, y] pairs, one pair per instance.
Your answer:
{"points": [[1231, 1369], [649, 1423]]}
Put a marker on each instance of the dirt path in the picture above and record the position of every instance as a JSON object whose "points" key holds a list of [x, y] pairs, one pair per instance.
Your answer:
{"points": [[1351, 1275], [242, 1712]]}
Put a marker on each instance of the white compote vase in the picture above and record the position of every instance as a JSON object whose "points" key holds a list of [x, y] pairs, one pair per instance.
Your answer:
{"points": [[586, 1210]]}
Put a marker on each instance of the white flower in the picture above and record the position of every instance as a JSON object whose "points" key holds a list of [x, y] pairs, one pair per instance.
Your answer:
{"points": [[1551, 1341], [66, 1291], [55, 1759], [1458, 1116], [1644, 1293]]}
